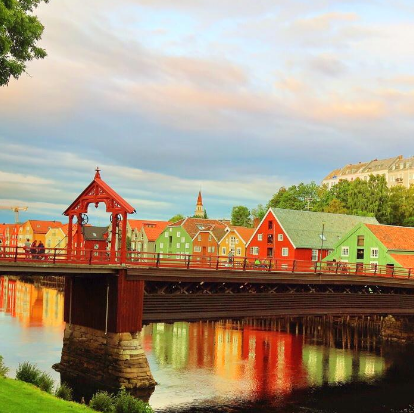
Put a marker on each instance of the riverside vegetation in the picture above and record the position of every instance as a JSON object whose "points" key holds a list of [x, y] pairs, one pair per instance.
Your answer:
{"points": [[32, 391]]}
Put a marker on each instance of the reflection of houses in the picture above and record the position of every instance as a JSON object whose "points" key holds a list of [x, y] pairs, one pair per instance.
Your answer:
{"points": [[286, 234], [376, 245], [33, 305]]}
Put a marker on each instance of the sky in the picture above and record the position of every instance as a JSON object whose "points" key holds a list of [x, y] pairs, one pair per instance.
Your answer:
{"points": [[233, 97]]}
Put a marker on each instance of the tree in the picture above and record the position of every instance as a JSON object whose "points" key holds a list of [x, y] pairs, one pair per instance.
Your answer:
{"points": [[259, 212], [205, 214], [240, 215], [176, 218], [295, 197], [335, 207], [19, 32]]}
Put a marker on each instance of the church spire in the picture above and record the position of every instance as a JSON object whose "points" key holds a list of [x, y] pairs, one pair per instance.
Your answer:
{"points": [[199, 211]]}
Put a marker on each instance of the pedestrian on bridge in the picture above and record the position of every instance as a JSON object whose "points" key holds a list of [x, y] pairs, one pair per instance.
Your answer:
{"points": [[33, 249], [27, 246]]}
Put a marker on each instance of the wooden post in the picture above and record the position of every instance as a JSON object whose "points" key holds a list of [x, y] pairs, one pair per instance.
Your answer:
{"points": [[113, 237], [78, 236], [124, 238], [70, 236]]}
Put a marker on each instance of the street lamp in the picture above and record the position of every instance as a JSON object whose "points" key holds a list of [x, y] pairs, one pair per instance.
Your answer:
{"points": [[322, 239]]}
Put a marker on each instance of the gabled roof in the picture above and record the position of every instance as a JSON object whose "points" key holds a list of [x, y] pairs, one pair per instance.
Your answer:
{"points": [[135, 224], [394, 237], [41, 227], [153, 229], [217, 230], [97, 191], [304, 228], [193, 225], [405, 260], [244, 232], [94, 233]]}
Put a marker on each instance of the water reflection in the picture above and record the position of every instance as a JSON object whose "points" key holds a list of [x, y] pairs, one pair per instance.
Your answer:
{"points": [[210, 364]]}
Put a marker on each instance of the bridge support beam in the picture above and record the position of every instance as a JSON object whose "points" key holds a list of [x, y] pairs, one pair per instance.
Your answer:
{"points": [[101, 342], [109, 360]]}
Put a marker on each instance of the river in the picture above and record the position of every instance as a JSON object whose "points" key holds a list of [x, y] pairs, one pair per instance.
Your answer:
{"points": [[278, 365]]}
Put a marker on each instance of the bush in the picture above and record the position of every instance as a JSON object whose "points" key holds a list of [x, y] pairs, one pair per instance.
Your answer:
{"points": [[125, 403], [102, 402], [64, 392], [3, 369], [45, 382], [28, 372]]}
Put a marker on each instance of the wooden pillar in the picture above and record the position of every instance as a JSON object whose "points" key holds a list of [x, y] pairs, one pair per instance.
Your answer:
{"points": [[113, 236], [78, 236], [70, 236], [124, 237]]}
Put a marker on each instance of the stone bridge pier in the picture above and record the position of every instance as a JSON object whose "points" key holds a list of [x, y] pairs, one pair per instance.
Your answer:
{"points": [[101, 344]]}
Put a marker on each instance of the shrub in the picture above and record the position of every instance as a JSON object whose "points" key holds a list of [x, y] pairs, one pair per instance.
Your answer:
{"points": [[45, 382], [64, 392], [28, 372], [102, 402], [3, 369], [125, 403]]}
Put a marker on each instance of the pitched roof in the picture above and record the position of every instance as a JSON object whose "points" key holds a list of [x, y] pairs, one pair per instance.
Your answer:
{"points": [[380, 164], [193, 225], [153, 229], [304, 228], [406, 260], [244, 232], [41, 227], [393, 237], [136, 223], [94, 233]]}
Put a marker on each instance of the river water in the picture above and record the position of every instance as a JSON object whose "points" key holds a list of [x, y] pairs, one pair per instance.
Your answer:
{"points": [[279, 365]]}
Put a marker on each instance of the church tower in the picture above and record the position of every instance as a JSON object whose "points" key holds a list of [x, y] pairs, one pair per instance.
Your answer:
{"points": [[199, 211]]}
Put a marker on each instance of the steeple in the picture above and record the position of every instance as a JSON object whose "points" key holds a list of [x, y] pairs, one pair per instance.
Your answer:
{"points": [[199, 211]]}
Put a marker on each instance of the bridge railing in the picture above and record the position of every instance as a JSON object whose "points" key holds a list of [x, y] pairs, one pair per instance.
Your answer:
{"points": [[197, 261]]}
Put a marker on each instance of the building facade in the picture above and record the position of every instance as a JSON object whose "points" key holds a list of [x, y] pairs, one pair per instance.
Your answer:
{"points": [[396, 170], [206, 241], [234, 241], [36, 230], [286, 234], [383, 245], [143, 238]]}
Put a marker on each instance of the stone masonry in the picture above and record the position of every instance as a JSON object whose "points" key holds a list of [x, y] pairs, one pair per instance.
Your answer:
{"points": [[112, 360]]}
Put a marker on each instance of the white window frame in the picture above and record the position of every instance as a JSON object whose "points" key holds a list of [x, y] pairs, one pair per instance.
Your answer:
{"points": [[187, 245], [178, 245], [212, 248], [254, 250], [199, 237], [313, 255], [223, 250], [161, 245], [197, 248], [342, 251], [209, 249], [178, 234], [285, 252], [238, 251], [280, 237], [166, 235], [372, 255], [372, 263], [260, 237]]}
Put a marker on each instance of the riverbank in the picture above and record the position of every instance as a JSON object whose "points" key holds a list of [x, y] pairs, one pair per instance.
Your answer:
{"points": [[19, 397]]}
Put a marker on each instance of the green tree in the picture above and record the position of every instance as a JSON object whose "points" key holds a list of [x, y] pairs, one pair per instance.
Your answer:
{"points": [[296, 197], [335, 206], [19, 32], [240, 215], [205, 214], [259, 212], [176, 218]]}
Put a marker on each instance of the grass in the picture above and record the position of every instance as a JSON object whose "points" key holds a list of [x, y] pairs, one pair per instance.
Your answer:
{"points": [[20, 397]]}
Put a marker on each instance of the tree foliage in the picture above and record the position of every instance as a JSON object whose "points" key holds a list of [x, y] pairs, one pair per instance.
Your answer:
{"points": [[370, 197], [20, 30], [240, 215], [176, 218], [259, 212]]}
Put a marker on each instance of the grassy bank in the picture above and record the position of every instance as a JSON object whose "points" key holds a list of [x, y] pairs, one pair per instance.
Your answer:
{"points": [[19, 397]]}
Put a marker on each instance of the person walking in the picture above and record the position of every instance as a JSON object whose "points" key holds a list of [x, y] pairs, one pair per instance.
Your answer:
{"points": [[33, 249], [41, 251]]}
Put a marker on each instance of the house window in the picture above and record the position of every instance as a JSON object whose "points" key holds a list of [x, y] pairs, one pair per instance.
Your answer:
{"points": [[166, 235], [254, 250], [270, 252], [209, 237], [161, 245], [285, 252], [374, 265], [209, 249], [345, 252], [270, 239], [270, 225], [223, 251], [238, 251], [280, 237], [178, 234], [187, 245], [360, 241], [374, 252], [197, 248], [182, 239], [178, 245], [213, 248], [315, 255], [199, 238], [360, 254], [259, 237]]}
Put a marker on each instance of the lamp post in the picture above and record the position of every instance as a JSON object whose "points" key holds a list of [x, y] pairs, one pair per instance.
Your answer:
{"points": [[322, 238]]}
